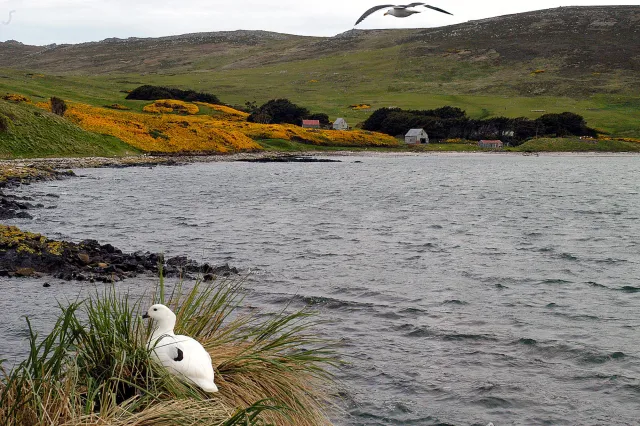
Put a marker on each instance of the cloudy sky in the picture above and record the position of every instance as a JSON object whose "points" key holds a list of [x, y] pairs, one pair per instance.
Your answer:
{"points": [[71, 21]]}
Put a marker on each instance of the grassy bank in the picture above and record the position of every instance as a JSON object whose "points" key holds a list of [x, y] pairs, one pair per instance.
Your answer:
{"points": [[94, 367], [33, 132], [577, 145]]}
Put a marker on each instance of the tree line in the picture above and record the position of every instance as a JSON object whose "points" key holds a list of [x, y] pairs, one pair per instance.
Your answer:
{"points": [[453, 123], [153, 93], [282, 110]]}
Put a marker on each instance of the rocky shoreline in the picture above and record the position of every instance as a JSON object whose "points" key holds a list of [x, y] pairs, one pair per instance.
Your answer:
{"points": [[13, 206], [58, 164], [25, 254]]}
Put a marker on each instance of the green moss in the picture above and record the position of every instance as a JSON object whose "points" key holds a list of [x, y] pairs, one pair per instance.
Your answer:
{"points": [[23, 242]]}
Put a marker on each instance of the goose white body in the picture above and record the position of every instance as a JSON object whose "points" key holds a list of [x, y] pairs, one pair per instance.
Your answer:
{"points": [[181, 355]]}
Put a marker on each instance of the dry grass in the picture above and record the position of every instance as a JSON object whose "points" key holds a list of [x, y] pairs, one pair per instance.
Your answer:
{"points": [[98, 371]]}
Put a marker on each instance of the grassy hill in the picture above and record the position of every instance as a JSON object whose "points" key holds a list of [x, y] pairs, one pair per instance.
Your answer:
{"points": [[33, 132], [584, 60]]}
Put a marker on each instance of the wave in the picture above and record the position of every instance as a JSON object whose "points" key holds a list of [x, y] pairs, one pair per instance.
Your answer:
{"points": [[567, 256], [493, 402], [454, 302], [466, 336], [581, 356], [555, 281], [420, 332], [595, 284]]}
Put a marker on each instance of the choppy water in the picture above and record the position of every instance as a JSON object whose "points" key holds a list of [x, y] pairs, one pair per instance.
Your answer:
{"points": [[465, 289]]}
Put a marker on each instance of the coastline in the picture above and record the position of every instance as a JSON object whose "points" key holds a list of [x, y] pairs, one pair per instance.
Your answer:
{"points": [[67, 163]]}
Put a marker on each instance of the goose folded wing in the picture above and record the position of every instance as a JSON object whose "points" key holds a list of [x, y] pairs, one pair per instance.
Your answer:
{"points": [[192, 360]]}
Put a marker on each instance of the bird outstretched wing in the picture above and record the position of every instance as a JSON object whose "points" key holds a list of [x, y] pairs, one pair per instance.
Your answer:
{"points": [[370, 11], [411, 5], [438, 9]]}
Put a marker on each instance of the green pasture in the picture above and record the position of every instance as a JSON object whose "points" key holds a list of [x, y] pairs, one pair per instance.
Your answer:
{"points": [[333, 92]]}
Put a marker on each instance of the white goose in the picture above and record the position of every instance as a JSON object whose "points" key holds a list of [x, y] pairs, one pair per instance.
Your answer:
{"points": [[180, 355]]}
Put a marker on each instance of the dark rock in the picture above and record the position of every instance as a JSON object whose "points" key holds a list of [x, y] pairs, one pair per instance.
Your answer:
{"points": [[46, 285], [109, 248], [289, 159]]}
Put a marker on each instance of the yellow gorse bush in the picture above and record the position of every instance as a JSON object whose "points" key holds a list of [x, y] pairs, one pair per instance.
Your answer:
{"points": [[15, 98], [117, 106], [171, 106], [360, 106], [227, 113], [180, 133], [171, 133]]}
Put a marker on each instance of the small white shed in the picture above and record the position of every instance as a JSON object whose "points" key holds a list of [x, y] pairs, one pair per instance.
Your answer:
{"points": [[340, 124], [415, 136]]}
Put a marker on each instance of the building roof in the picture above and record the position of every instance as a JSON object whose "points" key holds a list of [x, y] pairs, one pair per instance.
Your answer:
{"points": [[316, 122], [339, 120], [414, 132]]}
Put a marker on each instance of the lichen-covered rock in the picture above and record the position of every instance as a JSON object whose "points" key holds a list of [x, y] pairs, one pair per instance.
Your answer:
{"points": [[24, 254]]}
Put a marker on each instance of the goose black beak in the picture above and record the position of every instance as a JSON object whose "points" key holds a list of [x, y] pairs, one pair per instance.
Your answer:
{"points": [[145, 316]]}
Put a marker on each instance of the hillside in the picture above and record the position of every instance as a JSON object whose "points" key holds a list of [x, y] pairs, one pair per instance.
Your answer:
{"points": [[580, 59], [571, 42], [33, 132]]}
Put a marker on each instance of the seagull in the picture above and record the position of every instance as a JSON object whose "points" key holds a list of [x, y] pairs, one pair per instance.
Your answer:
{"points": [[180, 355], [7, 22], [401, 11]]}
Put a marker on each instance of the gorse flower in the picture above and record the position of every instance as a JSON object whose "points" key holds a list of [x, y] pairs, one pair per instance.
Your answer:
{"points": [[227, 130]]}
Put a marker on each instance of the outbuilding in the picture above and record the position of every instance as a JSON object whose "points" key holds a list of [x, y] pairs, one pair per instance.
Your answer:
{"points": [[490, 144], [340, 124], [311, 124], [415, 136]]}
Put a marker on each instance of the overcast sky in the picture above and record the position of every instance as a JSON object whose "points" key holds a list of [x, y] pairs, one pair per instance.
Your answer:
{"points": [[71, 21]]}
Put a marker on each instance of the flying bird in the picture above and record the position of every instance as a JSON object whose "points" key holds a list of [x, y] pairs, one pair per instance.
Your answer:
{"points": [[401, 11], [7, 22], [180, 355]]}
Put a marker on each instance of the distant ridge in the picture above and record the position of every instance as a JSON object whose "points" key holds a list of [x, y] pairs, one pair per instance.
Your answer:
{"points": [[568, 43]]}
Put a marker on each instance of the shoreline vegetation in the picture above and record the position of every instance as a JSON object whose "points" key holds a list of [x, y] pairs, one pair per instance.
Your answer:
{"points": [[94, 367], [172, 127]]}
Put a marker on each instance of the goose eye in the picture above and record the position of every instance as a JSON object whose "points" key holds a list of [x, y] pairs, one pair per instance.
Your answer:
{"points": [[155, 309]]}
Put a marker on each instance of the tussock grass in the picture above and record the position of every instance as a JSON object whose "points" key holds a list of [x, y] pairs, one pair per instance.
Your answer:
{"points": [[94, 366]]}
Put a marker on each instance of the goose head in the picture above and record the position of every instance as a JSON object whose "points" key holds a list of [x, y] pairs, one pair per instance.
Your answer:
{"points": [[164, 318]]}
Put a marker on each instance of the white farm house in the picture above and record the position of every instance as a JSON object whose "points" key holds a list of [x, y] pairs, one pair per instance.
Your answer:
{"points": [[415, 136], [340, 124]]}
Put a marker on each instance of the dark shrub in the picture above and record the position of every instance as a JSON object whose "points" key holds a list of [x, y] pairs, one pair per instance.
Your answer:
{"points": [[565, 124], [58, 106], [153, 93], [320, 116], [278, 111], [4, 123], [450, 122]]}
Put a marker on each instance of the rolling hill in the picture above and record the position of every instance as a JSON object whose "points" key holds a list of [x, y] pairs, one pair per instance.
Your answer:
{"points": [[580, 59]]}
